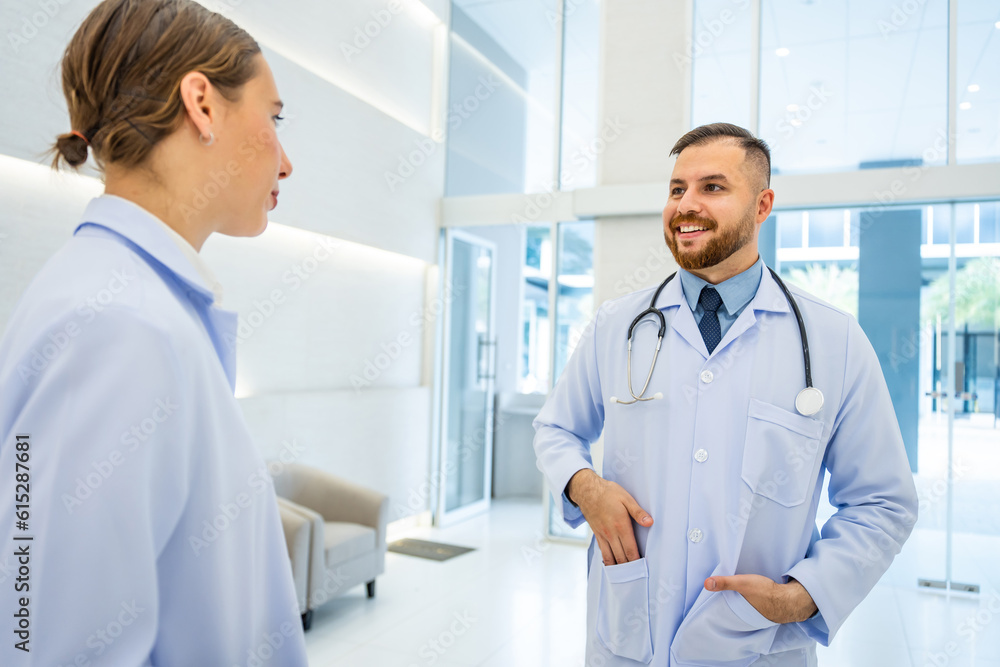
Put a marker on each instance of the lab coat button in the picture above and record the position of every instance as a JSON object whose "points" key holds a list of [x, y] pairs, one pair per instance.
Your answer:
{"points": [[695, 535], [701, 456], [707, 377]]}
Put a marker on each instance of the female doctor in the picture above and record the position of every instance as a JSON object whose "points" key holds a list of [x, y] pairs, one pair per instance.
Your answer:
{"points": [[150, 532]]}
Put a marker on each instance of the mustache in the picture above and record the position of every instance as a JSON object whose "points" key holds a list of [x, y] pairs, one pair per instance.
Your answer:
{"points": [[690, 219]]}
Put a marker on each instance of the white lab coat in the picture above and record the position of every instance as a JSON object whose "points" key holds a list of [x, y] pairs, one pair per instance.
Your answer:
{"points": [[732, 476], [156, 534]]}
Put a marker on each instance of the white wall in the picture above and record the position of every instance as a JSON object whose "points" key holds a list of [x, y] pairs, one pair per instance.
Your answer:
{"points": [[309, 324], [341, 146], [332, 363], [648, 94], [350, 122], [376, 438], [40, 210], [341, 149], [629, 254]]}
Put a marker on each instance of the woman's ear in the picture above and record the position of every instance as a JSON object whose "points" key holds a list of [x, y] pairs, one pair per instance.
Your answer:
{"points": [[199, 100]]}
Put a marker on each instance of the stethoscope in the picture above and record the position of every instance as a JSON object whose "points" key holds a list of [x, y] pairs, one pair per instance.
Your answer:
{"points": [[808, 402]]}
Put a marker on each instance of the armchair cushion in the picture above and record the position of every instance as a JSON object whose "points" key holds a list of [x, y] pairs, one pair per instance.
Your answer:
{"points": [[346, 541]]}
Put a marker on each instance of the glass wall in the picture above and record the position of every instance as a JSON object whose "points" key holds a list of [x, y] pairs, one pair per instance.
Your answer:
{"points": [[579, 145], [818, 251], [889, 267], [978, 81], [501, 119], [856, 84], [536, 327], [575, 296], [720, 57], [574, 309], [541, 340], [850, 85]]}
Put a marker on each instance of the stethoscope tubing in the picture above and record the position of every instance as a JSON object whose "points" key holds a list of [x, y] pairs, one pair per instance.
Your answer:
{"points": [[806, 362], [653, 310]]}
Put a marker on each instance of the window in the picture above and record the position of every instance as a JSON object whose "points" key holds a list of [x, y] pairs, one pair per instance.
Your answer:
{"points": [[536, 328], [575, 295], [501, 128], [720, 57], [581, 64], [978, 84], [850, 85]]}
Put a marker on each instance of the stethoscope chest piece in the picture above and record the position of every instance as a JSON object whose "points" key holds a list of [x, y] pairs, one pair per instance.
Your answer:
{"points": [[809, 401]]}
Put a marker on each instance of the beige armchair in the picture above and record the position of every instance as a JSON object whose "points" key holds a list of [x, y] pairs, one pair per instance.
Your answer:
{"points": [[298, 533], [346, 545]]}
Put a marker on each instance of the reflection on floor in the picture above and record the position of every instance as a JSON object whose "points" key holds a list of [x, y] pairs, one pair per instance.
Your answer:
{"points": [[518, 601]]}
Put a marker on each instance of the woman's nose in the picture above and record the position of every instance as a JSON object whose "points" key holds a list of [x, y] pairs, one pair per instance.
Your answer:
{"points": [[286, 165]]}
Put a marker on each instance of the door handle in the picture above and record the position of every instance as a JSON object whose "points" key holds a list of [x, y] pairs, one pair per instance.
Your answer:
{"points": [[490, 371]]}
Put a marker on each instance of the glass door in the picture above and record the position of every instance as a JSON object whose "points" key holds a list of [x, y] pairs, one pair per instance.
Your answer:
{"points": [[924, 282], [468, 377], [960, 467], [572, 302]]}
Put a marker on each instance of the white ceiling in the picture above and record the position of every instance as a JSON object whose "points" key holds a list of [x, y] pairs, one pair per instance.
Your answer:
{"points": [[883, 72]]}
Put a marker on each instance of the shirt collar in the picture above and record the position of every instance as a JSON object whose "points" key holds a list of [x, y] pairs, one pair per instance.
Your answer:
{"points": [[156, 238], [736, 292]]}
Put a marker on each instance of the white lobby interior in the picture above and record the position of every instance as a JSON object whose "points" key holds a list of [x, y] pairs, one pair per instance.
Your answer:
{"points": [[474, 178]]}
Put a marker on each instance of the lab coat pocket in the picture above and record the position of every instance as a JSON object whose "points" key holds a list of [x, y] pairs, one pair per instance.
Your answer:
{"points": [[780, 452], [724, 631], [623, 610]]}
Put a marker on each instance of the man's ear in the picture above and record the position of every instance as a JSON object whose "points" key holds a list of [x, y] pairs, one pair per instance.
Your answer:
{"points": [[199, 97], [765, 203]]}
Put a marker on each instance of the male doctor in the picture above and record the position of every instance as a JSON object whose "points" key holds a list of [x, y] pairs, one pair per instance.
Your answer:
{"points": [[705, 516]]}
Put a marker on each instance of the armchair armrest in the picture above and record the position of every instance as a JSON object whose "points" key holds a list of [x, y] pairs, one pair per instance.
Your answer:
{"points": [[315, 552], [297, 538]]}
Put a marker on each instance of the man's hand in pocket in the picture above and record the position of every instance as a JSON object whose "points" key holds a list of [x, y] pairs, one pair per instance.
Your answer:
{"points": [[779, 603]]}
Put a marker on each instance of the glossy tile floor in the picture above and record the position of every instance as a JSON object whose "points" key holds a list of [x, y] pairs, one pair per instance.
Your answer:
{"points": [[518, 601]]}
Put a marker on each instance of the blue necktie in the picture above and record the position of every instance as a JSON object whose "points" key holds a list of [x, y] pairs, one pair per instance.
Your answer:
{"points": [[711, 332]]}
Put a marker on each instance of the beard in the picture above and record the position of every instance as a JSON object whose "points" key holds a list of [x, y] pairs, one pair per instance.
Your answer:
{"points": [[722, 244]]}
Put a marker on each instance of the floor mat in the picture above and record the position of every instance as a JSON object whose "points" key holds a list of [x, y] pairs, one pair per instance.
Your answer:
{"points": [[430, 550]]}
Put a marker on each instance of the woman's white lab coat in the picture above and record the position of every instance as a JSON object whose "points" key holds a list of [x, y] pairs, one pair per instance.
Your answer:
{"points": [[155, 533]]}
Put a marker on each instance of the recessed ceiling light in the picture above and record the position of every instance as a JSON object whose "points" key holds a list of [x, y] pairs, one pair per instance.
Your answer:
{"points": [[792, 107], [997, 25], [782, 52], [973, 87], [796, 122], [965, 106]]}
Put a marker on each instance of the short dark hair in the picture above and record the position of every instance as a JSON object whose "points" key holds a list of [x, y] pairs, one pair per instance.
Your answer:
{"points": [[758, 155]]}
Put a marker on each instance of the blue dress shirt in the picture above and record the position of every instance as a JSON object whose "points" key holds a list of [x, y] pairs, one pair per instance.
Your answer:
{"points": [[736, 293]]}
